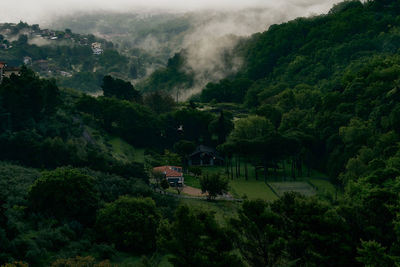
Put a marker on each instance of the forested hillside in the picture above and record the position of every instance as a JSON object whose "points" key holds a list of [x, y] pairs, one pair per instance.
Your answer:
{"points": [[314, 97]]}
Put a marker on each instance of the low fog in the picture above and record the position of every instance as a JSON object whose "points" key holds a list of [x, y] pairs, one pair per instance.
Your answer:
{"points": [[215, 27], [39, 11]]}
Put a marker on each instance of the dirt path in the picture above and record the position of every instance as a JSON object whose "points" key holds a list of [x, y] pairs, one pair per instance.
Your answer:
{"points": [[193, 191]]}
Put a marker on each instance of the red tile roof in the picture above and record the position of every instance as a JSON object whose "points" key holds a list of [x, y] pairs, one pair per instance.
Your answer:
{"points": [[168, 171]]}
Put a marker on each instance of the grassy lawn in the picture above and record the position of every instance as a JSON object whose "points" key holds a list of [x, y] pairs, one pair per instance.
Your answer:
{"points": [[317, 183], [252, 189], [240, 187], [116, 147], [192, 181], [124, 151]]}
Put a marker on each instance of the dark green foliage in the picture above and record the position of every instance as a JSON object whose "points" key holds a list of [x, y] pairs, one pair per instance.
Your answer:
{"points": [[184, 148], [322, 92], [197, 171], [214, 185], [171, 78], [164, 184], [130, 223], [196, 239], [134, 122], [194, 124], [221, 126], [159, 101], [226, 91], [120, 89], [82, 81], [292, 230], [65, 193], [259, 235], [112, 186], [373, 254], [316, 234], [26, 99]]}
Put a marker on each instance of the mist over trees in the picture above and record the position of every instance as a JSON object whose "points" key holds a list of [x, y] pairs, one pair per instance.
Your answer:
{"points": [[318, 94]]}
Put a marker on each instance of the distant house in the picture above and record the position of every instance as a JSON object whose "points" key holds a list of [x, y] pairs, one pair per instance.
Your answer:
{"points": [[65, 74], [205, 156], [6, 71], [27, 60], [173, 174], [42, 64], [96, 48]]}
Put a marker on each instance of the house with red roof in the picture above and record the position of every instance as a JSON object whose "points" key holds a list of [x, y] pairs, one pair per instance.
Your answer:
{"points": [[173, 174]]}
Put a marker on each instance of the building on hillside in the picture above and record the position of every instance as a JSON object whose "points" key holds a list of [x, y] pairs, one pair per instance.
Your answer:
{"points": [[27, 60], [96, 48], [6, 71], [42, 65], [173, 174], [205, 156]]}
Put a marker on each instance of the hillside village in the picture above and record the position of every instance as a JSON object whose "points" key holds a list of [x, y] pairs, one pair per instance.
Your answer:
{"points": [[71, 58]]}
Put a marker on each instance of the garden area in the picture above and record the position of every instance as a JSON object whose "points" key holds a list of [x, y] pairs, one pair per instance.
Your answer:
{"points": [[270, 190]]}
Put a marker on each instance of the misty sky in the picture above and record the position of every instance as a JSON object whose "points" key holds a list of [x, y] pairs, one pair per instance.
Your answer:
{"points": [[39, 11]]}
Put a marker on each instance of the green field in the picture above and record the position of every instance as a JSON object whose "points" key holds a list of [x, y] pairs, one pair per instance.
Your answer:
{"points": [[251, 189], [317, 183], [240, 187], [124, 151], [192, 181], [301, 187]]}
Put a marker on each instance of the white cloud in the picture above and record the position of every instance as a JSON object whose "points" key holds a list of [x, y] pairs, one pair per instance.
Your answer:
{"points": [[41, 10]]}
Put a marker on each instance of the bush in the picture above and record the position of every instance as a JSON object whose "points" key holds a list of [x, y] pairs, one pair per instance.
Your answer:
{"points": [[195, 170], [130, 223], [65, 193]]}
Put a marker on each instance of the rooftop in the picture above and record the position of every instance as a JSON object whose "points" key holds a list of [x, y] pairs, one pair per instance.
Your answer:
{"points": [[168, 171]]}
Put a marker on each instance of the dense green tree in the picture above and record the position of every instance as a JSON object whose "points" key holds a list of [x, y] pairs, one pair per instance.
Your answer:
{"points": [[373, 254], [221, 126], [194, 238], [65, 193], [159, 102], [259, 235], [315, 233], [113, 87], [214, 185], [130, 223], [184, 148], [28, 98]]}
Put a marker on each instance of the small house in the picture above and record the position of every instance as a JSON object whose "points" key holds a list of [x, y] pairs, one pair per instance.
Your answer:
{"points": [[173, 174], [205, 156], [42, 65], [27, 60], [8, 71]]}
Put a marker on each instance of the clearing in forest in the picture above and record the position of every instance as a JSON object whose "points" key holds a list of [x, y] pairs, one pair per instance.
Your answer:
{"points": [[301, 187]]}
